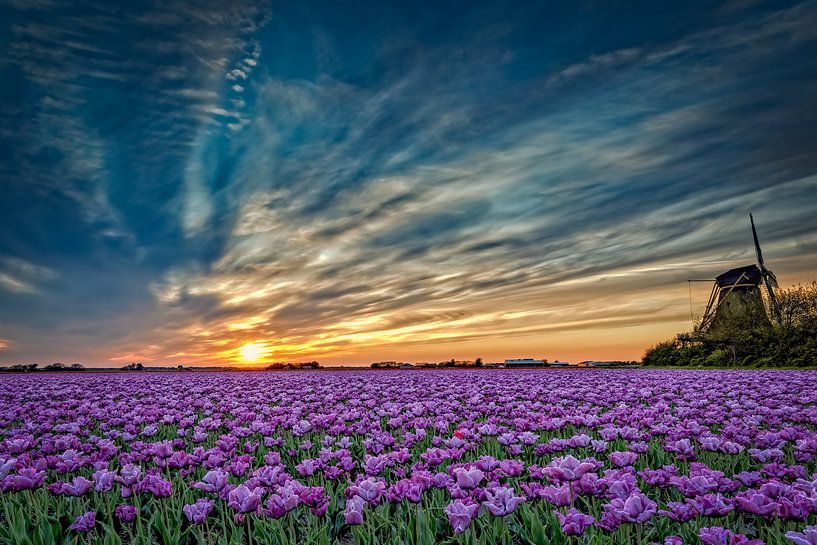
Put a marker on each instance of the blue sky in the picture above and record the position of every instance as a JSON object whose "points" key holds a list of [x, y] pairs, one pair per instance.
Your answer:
{"points": [[377, 180]]}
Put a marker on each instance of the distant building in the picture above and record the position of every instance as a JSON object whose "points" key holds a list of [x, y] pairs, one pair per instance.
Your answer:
{"points": [[558, 363], [525, 362], [406, 366], [601, 363]]}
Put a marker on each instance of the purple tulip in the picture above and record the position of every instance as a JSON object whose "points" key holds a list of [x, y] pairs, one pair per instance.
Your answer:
{"points": [[353, 514], [104, 480], [307, 467], [78, 487], [468, 479], [622, 459], [243, 500], [153, 484], [197, 512], [807, 537], [213, 481], [720, 536], [637, 508], [460, 515], [282, 501], [679, 511], [502, 501], [574, 523], [568, 469], [369, 490], [756, 503], [84, 523], [129, 474], [512, 468], [125, 513], [25, 479]]}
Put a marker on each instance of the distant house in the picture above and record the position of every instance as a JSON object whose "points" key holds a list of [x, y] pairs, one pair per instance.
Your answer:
{"points": [[406, 366], [525, 362]]}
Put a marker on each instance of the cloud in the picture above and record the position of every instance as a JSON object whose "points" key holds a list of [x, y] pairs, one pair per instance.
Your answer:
{"points": [[11, 283], [20, 276], [595, 65]]}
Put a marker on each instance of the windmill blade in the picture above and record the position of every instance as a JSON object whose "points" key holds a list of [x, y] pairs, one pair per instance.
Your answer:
{"points": [[757, 245], [775, 307], [772, 278]]}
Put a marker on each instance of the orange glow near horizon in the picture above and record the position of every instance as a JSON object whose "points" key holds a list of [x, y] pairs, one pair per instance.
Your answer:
{"points": [[615, 315]]}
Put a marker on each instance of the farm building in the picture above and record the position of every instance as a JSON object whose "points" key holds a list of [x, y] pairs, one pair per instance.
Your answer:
{"points": [[525, 362]]}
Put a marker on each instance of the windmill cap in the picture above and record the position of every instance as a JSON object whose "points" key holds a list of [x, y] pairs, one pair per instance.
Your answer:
{"points": [[750, 274]]}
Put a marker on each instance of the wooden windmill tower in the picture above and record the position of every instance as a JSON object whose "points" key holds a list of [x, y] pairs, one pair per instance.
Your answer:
{"points": [[737, 294]]}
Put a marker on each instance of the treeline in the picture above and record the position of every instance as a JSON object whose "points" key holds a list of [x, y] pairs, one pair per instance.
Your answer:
{"points": [[293, 365], [427, 365], [57, 367], [51, 367], [790, 340]]}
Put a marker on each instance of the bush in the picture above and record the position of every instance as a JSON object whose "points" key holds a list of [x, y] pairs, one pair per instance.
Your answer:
{"points": [[718, 358]]}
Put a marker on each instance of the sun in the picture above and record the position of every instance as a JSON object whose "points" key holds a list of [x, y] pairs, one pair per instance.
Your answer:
{"points": [[251, 352]]}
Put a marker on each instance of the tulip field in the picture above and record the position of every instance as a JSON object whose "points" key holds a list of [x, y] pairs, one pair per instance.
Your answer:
{"points": [[410, 457]]}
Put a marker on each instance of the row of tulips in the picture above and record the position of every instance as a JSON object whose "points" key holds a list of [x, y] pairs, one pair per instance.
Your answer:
{"points": [[469, 457]]}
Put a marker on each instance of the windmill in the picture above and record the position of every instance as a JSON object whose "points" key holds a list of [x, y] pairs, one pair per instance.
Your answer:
{"points": [[736, 294]]}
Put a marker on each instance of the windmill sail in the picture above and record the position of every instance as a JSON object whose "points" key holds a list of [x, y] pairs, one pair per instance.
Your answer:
{"points": [[769, 279]]}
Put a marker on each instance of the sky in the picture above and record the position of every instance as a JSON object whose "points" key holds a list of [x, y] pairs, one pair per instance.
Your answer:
{"points": [[248, 182]]}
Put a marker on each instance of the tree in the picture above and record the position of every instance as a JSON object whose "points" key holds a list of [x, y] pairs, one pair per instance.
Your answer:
{"points": [[798, 305], [478, 362], [23, 367], [663, 354]]}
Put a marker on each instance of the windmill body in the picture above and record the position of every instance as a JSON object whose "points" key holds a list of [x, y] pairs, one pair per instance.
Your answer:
{"points": [[737, 296]]}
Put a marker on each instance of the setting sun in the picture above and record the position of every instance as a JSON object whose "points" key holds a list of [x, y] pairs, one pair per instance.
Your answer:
{"points": [[251, 352]]}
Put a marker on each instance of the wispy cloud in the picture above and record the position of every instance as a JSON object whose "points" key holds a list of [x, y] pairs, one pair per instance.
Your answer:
{"points": [[17, 275]]}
